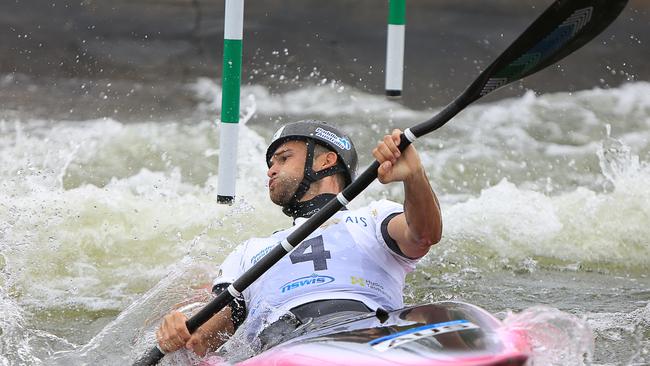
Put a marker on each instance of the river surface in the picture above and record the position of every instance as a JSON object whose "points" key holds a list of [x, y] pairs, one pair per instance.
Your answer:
{"points": [[106, 223]]}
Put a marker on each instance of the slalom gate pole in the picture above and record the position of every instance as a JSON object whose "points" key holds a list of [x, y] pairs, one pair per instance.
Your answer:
{"points": [[395, 47], [230, 82]]}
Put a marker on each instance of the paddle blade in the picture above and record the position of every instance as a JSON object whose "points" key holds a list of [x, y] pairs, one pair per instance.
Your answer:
{"points": [[563, 28]]}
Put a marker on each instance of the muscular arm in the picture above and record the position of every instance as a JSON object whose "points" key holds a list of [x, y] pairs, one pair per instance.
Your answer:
{"points": [[420, 226]]}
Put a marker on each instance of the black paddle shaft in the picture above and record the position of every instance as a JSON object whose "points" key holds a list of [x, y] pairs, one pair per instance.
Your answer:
{"points": [[563, 28]]}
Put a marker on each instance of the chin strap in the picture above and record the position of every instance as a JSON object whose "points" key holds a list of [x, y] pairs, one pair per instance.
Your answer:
{"points": [[308, 208], [310, 176]]}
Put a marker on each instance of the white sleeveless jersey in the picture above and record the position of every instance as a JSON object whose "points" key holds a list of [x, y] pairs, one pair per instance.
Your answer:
{"points": [[346, 258]]}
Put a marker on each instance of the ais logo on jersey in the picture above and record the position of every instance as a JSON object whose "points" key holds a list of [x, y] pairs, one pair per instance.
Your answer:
{"points": [[313, 280]]}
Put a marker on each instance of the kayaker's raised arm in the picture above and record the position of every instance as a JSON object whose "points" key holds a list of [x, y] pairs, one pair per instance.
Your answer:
{"points": [[420, 226]]}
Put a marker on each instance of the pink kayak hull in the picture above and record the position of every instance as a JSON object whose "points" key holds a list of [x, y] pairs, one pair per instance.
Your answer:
{"points": [[313, 357], [298, 357], [443, 334]]}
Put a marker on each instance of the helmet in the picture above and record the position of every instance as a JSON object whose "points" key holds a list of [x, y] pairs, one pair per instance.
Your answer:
{"points": [[323, 134]]}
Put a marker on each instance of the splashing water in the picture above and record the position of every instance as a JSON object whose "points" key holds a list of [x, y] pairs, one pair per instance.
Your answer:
{"points": [[95, 213], [616, 160], [556, 338]]}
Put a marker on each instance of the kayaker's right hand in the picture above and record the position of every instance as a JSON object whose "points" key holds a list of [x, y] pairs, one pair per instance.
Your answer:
{"points": [[173, 334]]}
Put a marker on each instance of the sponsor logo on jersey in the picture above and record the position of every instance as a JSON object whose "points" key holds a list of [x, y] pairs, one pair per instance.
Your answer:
{"points": [[413, 334], [356, 220], [330, 136], [358, 281], [312, 280], [256, 258], [376, 286]]}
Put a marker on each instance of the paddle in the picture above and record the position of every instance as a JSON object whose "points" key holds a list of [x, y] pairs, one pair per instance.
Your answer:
{"points": [[563, 28]]}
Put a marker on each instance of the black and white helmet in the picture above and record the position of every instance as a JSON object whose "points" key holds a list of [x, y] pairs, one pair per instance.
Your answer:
{"points": [[322, 134]]}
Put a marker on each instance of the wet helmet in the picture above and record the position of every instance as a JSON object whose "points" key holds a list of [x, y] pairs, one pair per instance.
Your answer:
{"points": [[317, 132]]}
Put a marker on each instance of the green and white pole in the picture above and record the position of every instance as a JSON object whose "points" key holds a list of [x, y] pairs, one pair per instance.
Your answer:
{"points": [[395, 47], [230, 82]]}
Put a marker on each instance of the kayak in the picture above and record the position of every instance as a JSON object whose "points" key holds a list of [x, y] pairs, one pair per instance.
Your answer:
{"points": [[437, 334]]}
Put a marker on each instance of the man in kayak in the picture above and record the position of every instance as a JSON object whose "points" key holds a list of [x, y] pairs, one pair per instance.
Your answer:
{"points": [[356, 261]]}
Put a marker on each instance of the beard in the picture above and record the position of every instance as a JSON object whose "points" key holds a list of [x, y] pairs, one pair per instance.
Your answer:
{"points": [[284, 188]]}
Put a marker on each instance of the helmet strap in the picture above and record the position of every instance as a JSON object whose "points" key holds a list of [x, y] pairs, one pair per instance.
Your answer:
{"points": [[308, 208], [310, 176]]}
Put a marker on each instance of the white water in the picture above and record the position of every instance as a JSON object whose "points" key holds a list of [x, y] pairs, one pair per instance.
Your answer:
{"points": [[95, 213]]}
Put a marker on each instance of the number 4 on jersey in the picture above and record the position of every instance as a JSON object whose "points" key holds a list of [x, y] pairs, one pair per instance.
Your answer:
{"points": [[318, 254]]}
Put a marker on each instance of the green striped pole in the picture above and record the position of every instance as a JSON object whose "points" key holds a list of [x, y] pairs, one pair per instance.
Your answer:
{"points": [[230, 82], [395, 47]]}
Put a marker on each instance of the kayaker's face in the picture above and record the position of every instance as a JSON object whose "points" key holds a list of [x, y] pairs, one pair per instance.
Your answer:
{"points": [[286, 171]]}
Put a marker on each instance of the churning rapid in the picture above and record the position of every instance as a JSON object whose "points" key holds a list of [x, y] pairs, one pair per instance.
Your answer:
{"points": [[105, 224]]}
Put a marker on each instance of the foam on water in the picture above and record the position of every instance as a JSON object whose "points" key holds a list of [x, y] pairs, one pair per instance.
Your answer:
{"points": [[14, 347], [627, 334], [327, 100], [583, 228], [94, 213], [546, 143], [76, 238]]}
